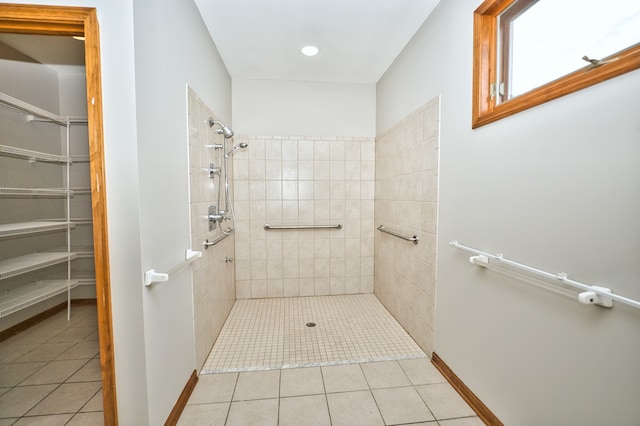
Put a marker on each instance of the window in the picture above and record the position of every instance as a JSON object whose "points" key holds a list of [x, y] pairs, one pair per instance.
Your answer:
{"points": [[527, 52]]}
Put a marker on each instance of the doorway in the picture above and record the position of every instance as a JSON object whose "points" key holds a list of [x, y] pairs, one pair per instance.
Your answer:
{"points": [[76, 21]]}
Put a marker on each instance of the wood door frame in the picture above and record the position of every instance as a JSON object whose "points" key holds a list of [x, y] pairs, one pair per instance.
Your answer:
{"points": [[62, 20]]}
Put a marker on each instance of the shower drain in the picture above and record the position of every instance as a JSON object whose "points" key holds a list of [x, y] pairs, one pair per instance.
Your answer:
{"points": [[310, 324]]}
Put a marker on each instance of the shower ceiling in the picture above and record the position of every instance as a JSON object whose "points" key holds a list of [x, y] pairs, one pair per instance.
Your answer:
{"points": [[358, 39]]}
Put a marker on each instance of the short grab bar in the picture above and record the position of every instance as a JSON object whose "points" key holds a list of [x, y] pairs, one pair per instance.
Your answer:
{"points": [[151, 276], [268, 227], [224, 235], [413, 238]]}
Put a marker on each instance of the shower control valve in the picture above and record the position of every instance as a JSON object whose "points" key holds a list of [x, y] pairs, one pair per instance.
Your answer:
{"points": [[214, 217], [213, 170], [228, 259]]}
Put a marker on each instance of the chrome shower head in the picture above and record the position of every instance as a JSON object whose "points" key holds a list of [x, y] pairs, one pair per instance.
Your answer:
{"points": [[235, 148], [223, 130]]}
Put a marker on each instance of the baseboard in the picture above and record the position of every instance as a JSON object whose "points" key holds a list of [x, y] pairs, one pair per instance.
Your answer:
{"points": [[30, 322], [474, 402], [172, 420]]}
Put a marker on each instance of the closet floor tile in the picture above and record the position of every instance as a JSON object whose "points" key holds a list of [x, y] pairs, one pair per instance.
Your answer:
{"points": [[67, 398]]}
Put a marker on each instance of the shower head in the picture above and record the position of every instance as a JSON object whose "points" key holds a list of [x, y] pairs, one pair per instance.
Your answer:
{"points": [[235, 148], [223, 130]]}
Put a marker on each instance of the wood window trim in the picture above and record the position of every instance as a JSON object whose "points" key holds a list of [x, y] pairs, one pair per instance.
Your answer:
{"points": [[63, 20], [485, 50]]}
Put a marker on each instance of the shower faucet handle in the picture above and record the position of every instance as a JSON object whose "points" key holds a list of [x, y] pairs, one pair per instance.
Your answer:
{"points": [[214, 216], [213, 170], [228, 259]]}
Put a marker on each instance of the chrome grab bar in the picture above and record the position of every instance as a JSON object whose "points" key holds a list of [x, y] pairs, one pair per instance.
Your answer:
{"points": [[268, 227], [224, 235], [413, 238]]}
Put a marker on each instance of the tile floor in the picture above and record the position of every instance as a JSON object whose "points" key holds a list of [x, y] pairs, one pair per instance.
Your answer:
{"points": [[263, 334], [402, 392], [357, 366], [50, 373]]}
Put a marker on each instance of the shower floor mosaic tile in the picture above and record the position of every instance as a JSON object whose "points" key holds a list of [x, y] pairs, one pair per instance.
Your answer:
{"points": [[266, 334]]}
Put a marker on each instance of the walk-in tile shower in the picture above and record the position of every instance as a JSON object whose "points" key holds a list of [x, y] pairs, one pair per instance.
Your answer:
{"points": [[304, 217]]}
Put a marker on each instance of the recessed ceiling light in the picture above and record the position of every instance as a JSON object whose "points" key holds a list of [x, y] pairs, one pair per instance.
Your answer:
{"points": [[81, 38], [309, 50]]}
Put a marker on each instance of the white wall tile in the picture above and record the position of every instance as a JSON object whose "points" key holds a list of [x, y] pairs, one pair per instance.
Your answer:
{"points": [[212, 282], [406, 200], [304, 181]]}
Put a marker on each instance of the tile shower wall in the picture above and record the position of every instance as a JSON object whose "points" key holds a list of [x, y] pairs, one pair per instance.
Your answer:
{"points": [[284, 180], [406, 201], [213, 278]]}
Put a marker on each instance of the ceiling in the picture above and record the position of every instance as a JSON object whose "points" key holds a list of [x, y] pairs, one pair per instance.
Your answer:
{"points": [[261, 39], [358, 39], [63, 53]]}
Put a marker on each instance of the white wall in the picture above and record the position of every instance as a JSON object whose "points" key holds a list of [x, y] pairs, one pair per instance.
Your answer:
{"points": [[144, 102], [173, 48], [555, 187], [266, 107]]}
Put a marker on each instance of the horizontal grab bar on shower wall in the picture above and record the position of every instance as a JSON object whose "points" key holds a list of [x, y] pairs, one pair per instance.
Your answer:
{"points": [[224, 235], [590, 295], [151, 276], [413, 238], [268, 227]]}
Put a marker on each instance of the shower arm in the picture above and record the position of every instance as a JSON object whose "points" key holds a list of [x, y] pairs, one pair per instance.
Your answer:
{"points": [[223, 130]]}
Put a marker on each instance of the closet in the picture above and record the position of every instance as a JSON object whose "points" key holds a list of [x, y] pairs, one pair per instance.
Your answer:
{"points": [[46, 241]]}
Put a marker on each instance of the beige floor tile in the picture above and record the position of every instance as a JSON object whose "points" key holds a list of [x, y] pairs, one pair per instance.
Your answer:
{"points": [[344, 378], [20, 400], [421, 371], [305, 410], [93, 337], [353, 408], [385, 374], [81, 350], [432, 423], [260, 412], [12, 374], [67, 398], [301, 381], [257, 385], [86, 419], [30, 336], [10, 352], [214, 388], [55, 420], [54, 372], [205, 414], [464, 421], [28, 362], [45, 352], [8, 422], [444, 402], [401, 405], [72, 334], [90, 372], [94, 404]]}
